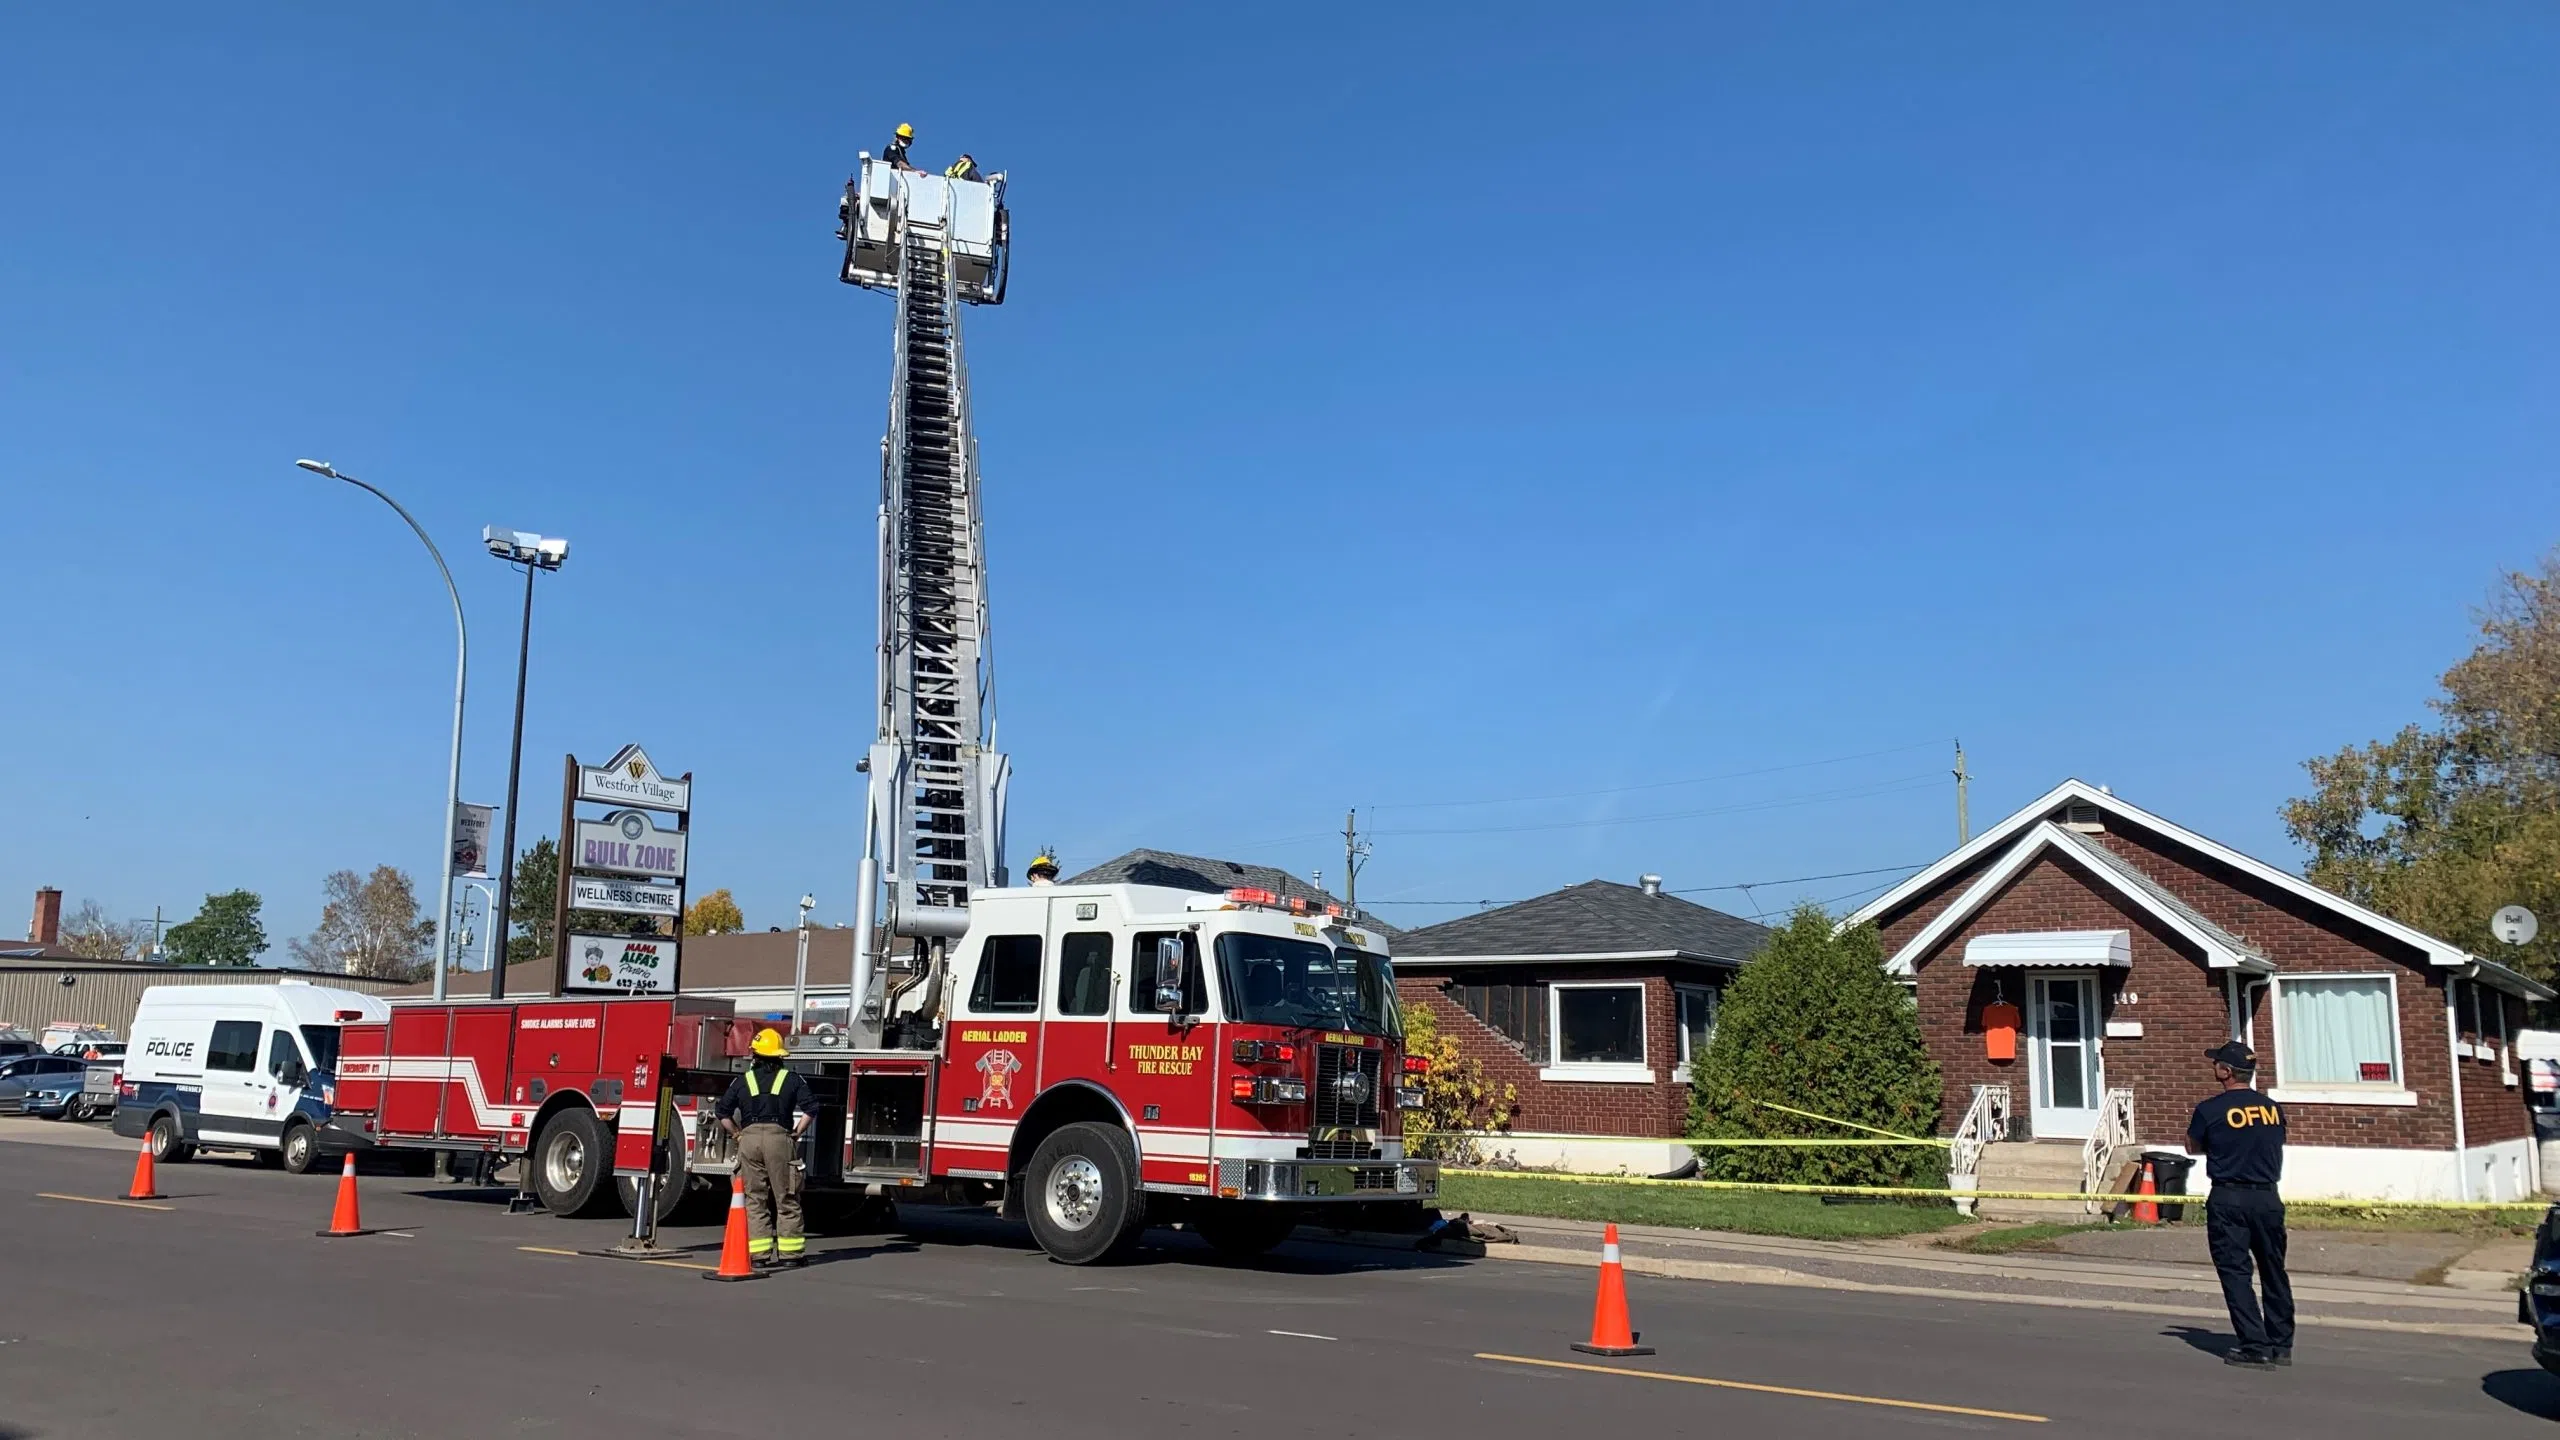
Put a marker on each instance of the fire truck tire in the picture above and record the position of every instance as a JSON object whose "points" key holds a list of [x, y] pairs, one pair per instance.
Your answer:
{"points": [[299, 1148], [1240, 1230], [573, 1165], [1084, 1203], [169, 1139], [674, 1187]]}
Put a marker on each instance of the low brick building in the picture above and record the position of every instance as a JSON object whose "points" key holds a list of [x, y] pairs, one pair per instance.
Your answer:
{"points": [[2107, 948], [1587, 1001]]}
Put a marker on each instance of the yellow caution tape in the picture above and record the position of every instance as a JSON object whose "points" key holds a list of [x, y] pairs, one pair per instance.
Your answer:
{"points": [[1919, 1193], [1497, 1138]]}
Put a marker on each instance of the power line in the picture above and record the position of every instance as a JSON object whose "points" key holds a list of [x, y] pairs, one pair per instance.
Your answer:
{"points": [[1855, 792], [1745, 885], [1655, 784]]}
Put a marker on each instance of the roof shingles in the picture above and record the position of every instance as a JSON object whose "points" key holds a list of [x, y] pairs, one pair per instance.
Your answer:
{"points": [[1596, 917]]}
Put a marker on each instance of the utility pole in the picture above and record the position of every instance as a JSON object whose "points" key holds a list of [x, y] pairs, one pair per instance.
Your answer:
{"points": [[1355, 853], [1964, 820]]}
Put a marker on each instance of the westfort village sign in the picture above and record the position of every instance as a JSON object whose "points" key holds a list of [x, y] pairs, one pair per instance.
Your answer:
{"points": [[624, 862]]}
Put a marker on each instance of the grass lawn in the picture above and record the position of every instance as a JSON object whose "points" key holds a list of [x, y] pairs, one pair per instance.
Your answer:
{"points": [[1751, 1212], [2484, 1224]]}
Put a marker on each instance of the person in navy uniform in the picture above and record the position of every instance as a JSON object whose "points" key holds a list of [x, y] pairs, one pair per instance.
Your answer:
{"points": [[2241, 1133]]}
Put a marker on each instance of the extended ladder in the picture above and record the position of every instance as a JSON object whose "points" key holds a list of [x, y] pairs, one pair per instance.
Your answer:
{"points": [[934, 826]]}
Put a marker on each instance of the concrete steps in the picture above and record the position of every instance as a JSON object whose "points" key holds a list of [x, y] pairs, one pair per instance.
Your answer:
{"points": [[2047, 1166]]}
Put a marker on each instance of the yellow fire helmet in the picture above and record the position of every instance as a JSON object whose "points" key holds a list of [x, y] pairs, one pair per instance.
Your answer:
{"points": [[769, 1043], [1044, 862], [906, 132]]}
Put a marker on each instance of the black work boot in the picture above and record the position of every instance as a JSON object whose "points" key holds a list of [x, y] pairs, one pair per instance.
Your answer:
{"points": [[2248, 1359]]}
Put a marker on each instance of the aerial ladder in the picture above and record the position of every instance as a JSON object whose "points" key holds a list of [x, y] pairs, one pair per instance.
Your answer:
{"points": [[934, 823]]}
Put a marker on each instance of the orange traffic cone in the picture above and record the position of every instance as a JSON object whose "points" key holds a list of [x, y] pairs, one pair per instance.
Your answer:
{"points": [[2146, 1212], [1609, 1332], [734, 1264], [344, 1221], [145, 1185]]}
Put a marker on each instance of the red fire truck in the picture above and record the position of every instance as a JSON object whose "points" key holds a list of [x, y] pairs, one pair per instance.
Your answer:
{"points": [[1098, 1058]]}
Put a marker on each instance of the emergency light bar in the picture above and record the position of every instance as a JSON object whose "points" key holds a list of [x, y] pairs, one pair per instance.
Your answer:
{"points": [[1294, 904]]}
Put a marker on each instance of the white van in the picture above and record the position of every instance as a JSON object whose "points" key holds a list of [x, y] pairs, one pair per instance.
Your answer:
{"points": [[238, 1067]]}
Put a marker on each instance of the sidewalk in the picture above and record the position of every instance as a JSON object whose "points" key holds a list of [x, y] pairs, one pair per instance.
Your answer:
{"points": [[2061, 1281]]}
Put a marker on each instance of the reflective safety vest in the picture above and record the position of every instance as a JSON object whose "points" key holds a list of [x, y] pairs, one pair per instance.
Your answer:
{"points": [[961, 170], [780, 1079]]}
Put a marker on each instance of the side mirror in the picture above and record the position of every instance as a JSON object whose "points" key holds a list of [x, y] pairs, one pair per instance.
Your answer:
{"points": [[293, 1074], [1169, 974]]}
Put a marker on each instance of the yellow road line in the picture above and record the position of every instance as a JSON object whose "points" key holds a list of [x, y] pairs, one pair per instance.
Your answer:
{"points": [[582, 1255], [94, 1200], [1772, 1389]]}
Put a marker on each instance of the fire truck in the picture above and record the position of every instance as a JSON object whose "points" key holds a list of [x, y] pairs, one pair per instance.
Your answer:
{"points": [[1093, 1058]]}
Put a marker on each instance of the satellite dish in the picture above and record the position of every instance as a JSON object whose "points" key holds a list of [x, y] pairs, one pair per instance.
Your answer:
{"points": [[2515, 925]]}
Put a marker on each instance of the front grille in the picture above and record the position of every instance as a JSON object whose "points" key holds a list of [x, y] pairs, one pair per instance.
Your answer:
{"points": [[1374, 1177], [1345, 1097]]}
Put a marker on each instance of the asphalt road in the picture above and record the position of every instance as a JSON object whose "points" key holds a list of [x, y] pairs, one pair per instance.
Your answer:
{"points": [[223, 1315]]}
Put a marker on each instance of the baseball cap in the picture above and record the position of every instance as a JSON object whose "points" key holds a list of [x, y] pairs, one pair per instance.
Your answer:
{"points": [[2234, 1054]]}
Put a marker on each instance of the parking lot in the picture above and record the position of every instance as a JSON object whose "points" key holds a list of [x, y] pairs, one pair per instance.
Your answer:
{"points": [[217, 1312]]}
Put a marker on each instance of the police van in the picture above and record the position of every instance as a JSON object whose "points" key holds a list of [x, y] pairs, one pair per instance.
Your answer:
{"points": [[238, 1067]]}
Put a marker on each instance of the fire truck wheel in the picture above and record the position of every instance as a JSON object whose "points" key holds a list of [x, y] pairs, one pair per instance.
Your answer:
{"points": [[169, 1140], [573, 1165], [673, 1187], [1241, 1229], [1084, 1204]]}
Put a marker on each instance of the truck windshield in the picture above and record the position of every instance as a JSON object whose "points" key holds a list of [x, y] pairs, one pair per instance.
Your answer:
{"points": [[322, 1042], [1271, 981]]}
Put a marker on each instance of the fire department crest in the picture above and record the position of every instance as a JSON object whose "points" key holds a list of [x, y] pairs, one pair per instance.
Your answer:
{"points": [[999, 1068]]}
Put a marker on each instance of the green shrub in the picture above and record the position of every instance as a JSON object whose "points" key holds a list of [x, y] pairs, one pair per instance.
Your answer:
{"points": [[1813, 1022]]}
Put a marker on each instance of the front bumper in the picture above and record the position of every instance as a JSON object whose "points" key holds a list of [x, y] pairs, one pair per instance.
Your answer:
{"points": [[36, 1105], [1323, 1180]]}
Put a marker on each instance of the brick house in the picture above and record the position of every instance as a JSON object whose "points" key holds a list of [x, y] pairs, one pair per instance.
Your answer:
{"points": [[1587, 1001], [2127, 945]]}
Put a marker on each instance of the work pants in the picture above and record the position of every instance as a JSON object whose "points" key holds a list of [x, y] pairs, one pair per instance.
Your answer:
{"points": [[765, 1153], [2242, 1227]]}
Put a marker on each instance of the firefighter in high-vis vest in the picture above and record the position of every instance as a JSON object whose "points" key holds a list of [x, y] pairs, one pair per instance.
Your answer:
{"points": [[964, 168], [767, 1109]]}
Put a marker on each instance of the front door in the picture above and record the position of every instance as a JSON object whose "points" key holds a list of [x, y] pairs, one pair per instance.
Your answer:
{"points": [[2062, 1028]]}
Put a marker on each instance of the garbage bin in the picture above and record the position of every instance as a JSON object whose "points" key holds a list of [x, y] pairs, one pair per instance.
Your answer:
{"points": [[2169, 1169]]}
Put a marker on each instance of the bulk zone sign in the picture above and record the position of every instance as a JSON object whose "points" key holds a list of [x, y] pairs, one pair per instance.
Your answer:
{"points": [[628, 842]]}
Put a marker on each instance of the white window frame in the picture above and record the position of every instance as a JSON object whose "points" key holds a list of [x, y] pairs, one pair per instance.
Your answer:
{"points": [[2394, 1092], [1680, 1025], [1607, 1073]]}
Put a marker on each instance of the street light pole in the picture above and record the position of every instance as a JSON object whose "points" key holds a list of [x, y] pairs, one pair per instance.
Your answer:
{"points": [[534, 553], [461, 668], [488, 916]]}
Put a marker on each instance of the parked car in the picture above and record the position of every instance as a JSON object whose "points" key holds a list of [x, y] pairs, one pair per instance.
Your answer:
{"points": [[2539, 1303], [46, 1085]]}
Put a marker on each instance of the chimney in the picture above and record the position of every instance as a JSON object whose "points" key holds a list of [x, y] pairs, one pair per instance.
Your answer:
{"points": [[1650, 884], [46, 928]]}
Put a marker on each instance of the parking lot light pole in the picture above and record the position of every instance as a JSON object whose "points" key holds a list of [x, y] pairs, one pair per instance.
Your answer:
{"points": [[461, 668], [534, 553]]}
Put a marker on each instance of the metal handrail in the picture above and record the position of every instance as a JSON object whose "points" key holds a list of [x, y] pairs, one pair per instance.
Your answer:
{"points": [[1985, 1120], [2114, 1133]]}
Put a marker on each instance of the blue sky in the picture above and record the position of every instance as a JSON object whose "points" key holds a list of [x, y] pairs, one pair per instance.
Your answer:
{"points": [[1394, 407]]}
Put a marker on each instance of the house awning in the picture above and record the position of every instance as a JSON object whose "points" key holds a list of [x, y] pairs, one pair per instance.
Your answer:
{"points": [[2052, 947]]}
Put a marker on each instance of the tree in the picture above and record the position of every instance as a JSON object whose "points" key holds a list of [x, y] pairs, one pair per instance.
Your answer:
{"points": [[714, 914], [1814, 1023], [225, 932], [2441, 825], [369, 926], [92, 934], [1458, 1103], [537, 891]]}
